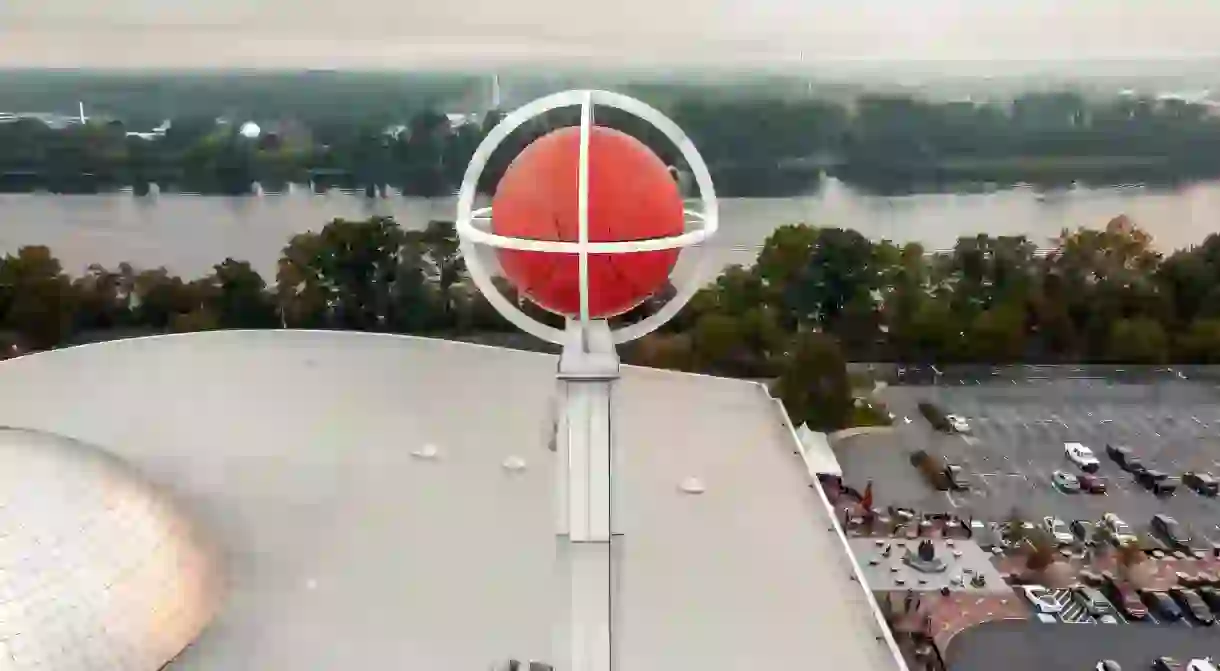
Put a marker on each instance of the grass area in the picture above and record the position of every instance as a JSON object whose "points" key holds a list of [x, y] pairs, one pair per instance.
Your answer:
{"points": [[869, 413]]}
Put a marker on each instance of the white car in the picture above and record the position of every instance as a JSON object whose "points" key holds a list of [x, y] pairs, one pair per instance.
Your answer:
{"points": [[1058, 529], [1201, 664], [959, 423], [1042, 599], [1081, 456]]}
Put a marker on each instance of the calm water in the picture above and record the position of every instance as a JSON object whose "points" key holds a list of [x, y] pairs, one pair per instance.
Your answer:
{"points": [[189, 233]]}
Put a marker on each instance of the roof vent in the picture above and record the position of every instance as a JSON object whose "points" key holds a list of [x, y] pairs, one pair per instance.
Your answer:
{"points": [[514, 464], [692, 485], [428, 452]]}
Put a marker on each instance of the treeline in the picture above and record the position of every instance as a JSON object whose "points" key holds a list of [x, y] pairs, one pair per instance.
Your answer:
{"points": [[814, 298], [1095, 296], [756, 146]]}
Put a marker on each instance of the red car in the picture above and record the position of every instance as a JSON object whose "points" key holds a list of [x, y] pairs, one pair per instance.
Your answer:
{"points": [[1092, 484], [1129, 603]]}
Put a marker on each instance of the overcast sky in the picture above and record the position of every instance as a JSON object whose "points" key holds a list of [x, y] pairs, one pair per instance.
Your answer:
{"points": [[395, 34]]}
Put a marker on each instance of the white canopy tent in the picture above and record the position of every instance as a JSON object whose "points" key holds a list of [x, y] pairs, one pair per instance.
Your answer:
{"points": [[815, 448]]}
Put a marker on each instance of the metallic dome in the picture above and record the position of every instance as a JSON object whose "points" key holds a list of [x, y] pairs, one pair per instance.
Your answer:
{"points": [[98, 570]]}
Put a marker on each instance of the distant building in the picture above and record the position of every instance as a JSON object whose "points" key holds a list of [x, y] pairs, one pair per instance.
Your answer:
{"points": [[250, 130]]}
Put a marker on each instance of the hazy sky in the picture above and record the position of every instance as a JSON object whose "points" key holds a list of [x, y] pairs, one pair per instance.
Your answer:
{"points": [[396, 34]]}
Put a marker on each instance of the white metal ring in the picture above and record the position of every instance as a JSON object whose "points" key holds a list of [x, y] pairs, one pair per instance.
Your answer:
{"points": [[470, 236]]}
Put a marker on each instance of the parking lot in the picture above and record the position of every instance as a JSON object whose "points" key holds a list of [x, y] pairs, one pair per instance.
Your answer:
{"points": [[1018, 429]]}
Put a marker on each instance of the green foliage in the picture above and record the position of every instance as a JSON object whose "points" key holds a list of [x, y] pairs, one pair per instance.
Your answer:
{"points": [[760, 138], [813, 383], [815, 298], [869, 415]]}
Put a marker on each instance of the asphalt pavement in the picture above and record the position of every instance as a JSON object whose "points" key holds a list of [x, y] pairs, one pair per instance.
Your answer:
{"points": [[1019, 427], [1025, 645]]}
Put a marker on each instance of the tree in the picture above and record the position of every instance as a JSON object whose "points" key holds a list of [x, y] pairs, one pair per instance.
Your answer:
{"points": [[446, 267], [1141, 340], [998, 334], [985, 271], [717, 339], [839, 271], [238, 297], [1200, 343], [813, 383], [353, 274], [784, 255], [36, 297]]}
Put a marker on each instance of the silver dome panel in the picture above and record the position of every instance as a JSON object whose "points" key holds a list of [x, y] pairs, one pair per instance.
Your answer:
{"points": [[98, 569]]}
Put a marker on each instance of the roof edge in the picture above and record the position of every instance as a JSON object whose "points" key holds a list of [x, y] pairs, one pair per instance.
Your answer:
{"points": [[332, 332], [857, 574]]}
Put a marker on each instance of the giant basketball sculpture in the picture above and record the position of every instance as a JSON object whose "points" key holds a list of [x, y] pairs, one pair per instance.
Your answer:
{"points": [[631, 197], [587, 223]]}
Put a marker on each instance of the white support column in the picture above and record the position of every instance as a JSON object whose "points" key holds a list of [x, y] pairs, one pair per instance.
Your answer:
{"points": [[587, 371], [584, 474]]}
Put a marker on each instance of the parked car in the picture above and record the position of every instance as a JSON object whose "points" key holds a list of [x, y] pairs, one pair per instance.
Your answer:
{"points": [[1093, 602], [1082, 456], [1119, 454], [1041, 599], [1157, 482], [1171, 531], [1201, 664], [1193, 603], [1166, 486], [958, 423], [956, 477], [1092, 484], [1058, 530], [932, 468], [1118, 529], [1149, 476], [1135, 466], [1065, 482], [1201, 482], [1083, 530], [1166, 664], [1160, 603], [1125, 597], [1108, 665], [1210, 596]]}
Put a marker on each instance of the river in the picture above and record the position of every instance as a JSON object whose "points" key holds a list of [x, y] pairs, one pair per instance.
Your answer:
{"points": [[189, 233]]}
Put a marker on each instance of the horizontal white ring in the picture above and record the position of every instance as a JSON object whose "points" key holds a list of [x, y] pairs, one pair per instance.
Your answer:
{"points": [[467, 229]]}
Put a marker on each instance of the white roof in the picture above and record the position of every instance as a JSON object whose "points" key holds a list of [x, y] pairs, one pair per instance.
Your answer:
{"points": [[815, 448], [343, 550]]}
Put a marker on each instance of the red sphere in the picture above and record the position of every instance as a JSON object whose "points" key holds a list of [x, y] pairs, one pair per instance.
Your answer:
{"points": [[631, 197]]}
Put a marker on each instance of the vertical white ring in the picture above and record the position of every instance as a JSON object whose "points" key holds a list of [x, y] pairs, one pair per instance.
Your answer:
{"points": [[582, 202]]}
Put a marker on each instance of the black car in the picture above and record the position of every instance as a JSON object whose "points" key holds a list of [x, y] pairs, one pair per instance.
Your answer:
{"points": [[1171, 531], [1194, 603], [1211, 597], [1157, 482], [1083, 529], [1166, 664], [1119, 454], [1203, 483], [956, 477], [1160, 603], [1166, 486], [1134, 466], [1150, 476]]}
